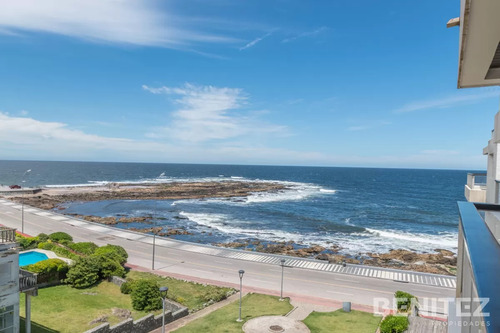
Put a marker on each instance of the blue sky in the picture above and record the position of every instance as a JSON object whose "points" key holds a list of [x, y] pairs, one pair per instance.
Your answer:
{"points": [[333, 83]]}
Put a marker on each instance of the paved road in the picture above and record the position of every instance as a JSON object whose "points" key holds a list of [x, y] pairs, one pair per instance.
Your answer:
{"points": [[299, 282]]}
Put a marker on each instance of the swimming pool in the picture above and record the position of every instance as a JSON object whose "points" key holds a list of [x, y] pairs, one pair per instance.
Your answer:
{"points": [[31, 257]]}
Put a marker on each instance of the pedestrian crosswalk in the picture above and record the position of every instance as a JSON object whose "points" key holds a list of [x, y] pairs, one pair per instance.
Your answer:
{"points": [[301, 263]]}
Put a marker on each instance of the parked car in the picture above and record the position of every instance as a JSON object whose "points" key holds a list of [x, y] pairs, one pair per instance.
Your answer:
{"points": [[14, 187]]}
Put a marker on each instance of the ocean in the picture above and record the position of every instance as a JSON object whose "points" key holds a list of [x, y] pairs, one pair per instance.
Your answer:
{"points": [[359, 209]]}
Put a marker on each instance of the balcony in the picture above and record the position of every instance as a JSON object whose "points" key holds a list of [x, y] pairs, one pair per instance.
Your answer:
{"points": [[475, 189], [27, 282], [478, 289], [7, 235]]}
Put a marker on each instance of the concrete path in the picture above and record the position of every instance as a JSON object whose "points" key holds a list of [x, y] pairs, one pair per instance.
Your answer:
{"points": [[182, 260], [424, 325], [302, 309]]}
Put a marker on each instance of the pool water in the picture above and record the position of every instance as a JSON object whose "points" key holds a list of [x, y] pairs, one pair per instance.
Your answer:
{"points": [[32, 257]]}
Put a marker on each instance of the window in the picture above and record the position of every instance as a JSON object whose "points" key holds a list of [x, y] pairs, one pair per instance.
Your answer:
{"points": [[7, 319]]}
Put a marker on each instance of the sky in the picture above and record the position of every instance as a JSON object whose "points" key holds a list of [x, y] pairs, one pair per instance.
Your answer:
{"points": [[276, 82]]}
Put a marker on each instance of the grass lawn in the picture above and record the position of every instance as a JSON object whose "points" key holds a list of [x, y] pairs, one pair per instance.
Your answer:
{"points": [[224, 319], [342, 322], [66, 309], [191, 295]]}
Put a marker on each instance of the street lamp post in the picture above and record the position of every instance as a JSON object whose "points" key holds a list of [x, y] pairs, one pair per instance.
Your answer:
{"points": [[240, 272], [282, 262], [154, 237], [22, 201], [153, 260], [163, 292]]}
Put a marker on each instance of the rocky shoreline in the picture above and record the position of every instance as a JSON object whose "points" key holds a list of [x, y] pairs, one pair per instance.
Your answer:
{"points": [[54, 198], [439, 262]]}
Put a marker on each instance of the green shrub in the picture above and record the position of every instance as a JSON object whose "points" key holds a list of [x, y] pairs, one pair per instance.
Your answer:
{"points": [[394, 324], [61, 251], [43, 237], [146, 295], [404, 300], [46, 246], [119, 254], [48, 266], [84, 274], [213, 296], [66, 242], [86, 248], [127, 287], [60, 236], [108, 266], [27, 243]]}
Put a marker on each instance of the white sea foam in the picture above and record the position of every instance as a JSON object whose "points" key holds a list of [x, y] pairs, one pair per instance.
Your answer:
{"points": [[447, 240], [371, 240], [294, 191]]}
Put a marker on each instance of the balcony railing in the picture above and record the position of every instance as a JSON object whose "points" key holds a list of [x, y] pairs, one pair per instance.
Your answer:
{"points": [[475, 190], [7, 235], [479, 265], [475, 180], [27, 281]]}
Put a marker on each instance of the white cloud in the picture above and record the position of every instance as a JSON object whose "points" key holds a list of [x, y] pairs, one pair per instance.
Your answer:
{"points": [[447, 102], [305, 34], [210, 113], [116, 21], [28, 138], [254, 42]]}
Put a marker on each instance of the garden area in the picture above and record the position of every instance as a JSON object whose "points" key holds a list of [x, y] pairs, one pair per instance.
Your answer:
{"points": [[224, 319], [83, 298], [342, 322]]}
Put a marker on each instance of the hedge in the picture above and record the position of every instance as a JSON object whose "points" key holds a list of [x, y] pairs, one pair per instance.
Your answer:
{"points": [[117, 252], [86, 248], [404, 300], [60, 236], [61, 251], [27, 243], [48, 266], [84, 274], [146, 295], [394, 324], [43, 237], [46, 246]]}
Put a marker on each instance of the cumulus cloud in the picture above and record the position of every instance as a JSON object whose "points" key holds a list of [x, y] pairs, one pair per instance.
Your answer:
{"points": [[209, 113], [116, 21]]}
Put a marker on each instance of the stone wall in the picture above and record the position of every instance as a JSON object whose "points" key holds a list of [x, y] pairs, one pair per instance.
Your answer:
{"points": [[143, 325], [117, 280]]}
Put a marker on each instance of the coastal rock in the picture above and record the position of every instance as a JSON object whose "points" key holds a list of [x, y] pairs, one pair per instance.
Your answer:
{"points": [[171, 232]]}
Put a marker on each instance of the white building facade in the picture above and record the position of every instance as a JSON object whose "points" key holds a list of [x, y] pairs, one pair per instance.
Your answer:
{"points": [[477, 307], [9, 282]]}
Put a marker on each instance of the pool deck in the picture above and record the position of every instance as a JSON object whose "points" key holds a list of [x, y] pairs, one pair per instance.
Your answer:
{"points": [[49, 254]]}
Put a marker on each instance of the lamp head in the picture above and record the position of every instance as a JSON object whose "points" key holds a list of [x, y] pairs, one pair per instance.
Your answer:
{"points": [[241, 272], [163, 291]]}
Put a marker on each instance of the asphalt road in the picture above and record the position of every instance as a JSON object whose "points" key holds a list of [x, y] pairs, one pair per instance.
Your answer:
{"points": [[315, 286]]}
